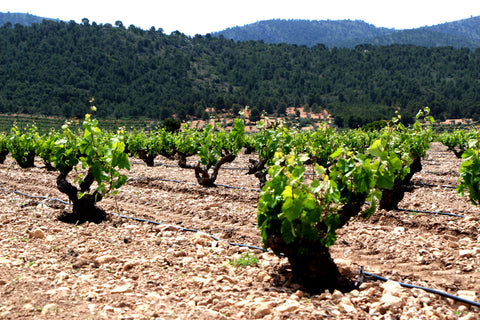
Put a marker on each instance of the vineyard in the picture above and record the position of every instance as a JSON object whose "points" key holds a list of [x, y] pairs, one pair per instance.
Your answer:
{"points": [[160, 224]]}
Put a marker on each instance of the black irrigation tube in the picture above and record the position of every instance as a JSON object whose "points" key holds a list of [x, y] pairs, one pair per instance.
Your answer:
{"points": [[35, 197], [258, 190], [421, 184], [196, 184], [361, 272], [442, 173], [431, 212], [441, 293]]}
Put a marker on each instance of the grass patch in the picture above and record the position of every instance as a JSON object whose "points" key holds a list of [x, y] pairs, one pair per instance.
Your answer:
{"points": [[245, 260]]}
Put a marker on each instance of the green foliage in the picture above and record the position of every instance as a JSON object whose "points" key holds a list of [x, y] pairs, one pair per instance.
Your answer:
{"points": [[171, 124], [349, 169], [247, 259], [469, 179], [101, 154], [23, 145], [306, 211]]}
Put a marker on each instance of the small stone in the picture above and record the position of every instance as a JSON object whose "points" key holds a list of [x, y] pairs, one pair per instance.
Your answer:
{"points": [[108, 308], [61, 292], [390, 302], [169, 228], [288, 306], [469, 316], [37, 234], [465, 253], [130, 264], [28, 307], [263, 309], [49, 308], [202, 239], [337, 296], [399, 230], [393, 288], [299, 293], [467, 294], [347, 305], [227, 279], [123, 289], [106, 259]]}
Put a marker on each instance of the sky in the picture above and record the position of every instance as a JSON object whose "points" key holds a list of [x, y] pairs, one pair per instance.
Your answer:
{"points": [[204, 16]]}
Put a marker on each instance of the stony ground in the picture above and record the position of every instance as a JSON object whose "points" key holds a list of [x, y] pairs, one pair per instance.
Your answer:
{"points": [[126, 269]]}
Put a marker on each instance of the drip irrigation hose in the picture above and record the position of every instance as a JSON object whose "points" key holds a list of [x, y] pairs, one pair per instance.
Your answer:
{"points": [[412, 286], [35, 197], [432, 212], [442, 173], [196, 184], [187, 230], [421, 184], [361, 272]]}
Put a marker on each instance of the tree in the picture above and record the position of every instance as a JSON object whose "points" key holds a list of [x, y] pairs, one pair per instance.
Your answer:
{"points": [[255, 115]]}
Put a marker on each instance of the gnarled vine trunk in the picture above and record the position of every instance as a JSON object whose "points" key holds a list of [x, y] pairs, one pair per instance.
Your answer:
{"points": [[27, 161], [311, 261], [147, 157], [258, 169], [84, 208], [204, 178], [314, 268], [3, 155], [392, 197]]}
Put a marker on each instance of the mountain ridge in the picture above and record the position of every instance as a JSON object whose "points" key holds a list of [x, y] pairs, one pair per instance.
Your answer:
{"points": [[350, 33], [24, 19], [331, 33]]}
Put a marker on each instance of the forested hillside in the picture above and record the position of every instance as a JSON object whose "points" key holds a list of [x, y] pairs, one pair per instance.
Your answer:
{"points": [[331, 33], [52, 68], [348, 33], [25, 19]]}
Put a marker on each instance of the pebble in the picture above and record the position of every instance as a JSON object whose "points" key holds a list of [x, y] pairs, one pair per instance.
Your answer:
{"points": [[288, 306], [465, 253], [106, 259], [263, 309], [347, 305], [37, 234], [123, 288], [393, 288], [202, 239], [49, 308], [467, 294], [130, 264]]}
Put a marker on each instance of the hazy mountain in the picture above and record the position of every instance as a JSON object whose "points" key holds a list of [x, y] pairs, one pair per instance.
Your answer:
{"points": [[25, 19], [348, 33]]}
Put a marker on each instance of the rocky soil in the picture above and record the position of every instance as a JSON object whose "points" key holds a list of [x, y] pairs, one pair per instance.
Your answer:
{"points": [[126, 269]]}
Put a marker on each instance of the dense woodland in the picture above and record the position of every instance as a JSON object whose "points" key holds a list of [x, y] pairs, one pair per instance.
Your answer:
{"points": [[350, 33], [52, 68]]}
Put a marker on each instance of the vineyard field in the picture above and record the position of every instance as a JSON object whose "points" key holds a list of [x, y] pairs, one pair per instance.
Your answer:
{"points": [[45, 124], [126, 269]]}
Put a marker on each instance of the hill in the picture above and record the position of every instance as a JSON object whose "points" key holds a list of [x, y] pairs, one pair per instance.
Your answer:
{"points": [[305, 32], [348, 33], [54, 67], [24, 19]]}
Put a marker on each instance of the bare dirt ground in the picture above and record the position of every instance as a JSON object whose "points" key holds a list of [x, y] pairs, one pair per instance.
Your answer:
{"points": [[125, 269]]}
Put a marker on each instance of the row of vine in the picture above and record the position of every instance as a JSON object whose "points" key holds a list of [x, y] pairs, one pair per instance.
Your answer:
{"points": [[350, 173]]}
